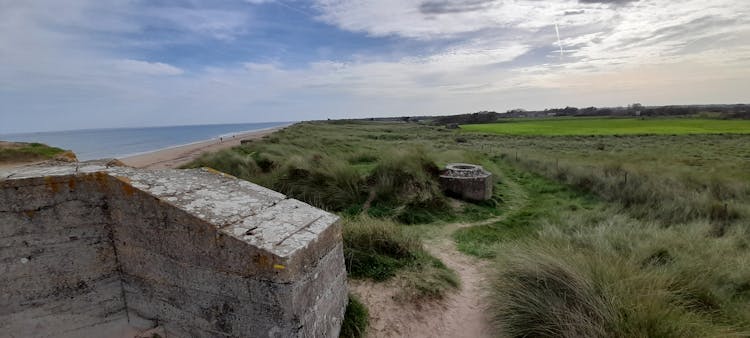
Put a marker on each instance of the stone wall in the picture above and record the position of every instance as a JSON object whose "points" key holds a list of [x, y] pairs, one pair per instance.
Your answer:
{"points": [[198, 253]]}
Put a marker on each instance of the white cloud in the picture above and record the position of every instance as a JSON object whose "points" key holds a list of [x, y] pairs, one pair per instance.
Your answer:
{"points": [[59, 61], [596, 32], [421, 20], [147, 68], [215, 23]]}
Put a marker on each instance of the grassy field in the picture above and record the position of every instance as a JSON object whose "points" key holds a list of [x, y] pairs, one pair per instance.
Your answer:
{"points": [[613, 126], [598, 236]]}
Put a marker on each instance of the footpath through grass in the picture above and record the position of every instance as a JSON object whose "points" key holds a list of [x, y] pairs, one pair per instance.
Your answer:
{"points": [[612, 126]]}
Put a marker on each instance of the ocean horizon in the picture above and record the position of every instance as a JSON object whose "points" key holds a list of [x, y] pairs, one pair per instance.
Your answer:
{"points": [[89, 144]]}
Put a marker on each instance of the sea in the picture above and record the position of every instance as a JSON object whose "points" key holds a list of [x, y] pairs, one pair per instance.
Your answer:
{"points": [[89, 144]]}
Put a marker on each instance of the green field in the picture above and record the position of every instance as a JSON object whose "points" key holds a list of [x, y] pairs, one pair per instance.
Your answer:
{"points": [[613, 126]]}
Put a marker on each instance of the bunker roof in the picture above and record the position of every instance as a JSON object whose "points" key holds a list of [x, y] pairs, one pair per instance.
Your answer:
{"points": [[256, 215]]}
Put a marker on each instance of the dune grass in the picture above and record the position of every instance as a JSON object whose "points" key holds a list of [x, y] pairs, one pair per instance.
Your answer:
{"points": [[612, 126], [376, 184], [24, 152], [534, 197], [380, 250], [607, 275], [598, 236], [588, 267], [377, 249], [652, 195], [356, 319], [385, 171]]}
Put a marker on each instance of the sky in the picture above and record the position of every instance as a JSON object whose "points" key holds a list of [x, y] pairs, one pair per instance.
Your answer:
{"points": [[78, 64]]}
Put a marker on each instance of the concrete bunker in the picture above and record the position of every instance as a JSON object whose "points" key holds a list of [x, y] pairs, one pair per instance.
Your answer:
{"points": [[89, 250], [467, 181]]}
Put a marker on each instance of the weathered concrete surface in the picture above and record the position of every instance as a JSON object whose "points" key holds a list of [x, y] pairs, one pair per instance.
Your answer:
{"points": [[467, 181], [86, 247]]}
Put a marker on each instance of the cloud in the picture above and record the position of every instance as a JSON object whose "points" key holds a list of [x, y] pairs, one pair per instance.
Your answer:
{"points": [[440, 19], [222, 24], [182, 62], [453, 6], [147, 68], [574, 12], [613, 2]]}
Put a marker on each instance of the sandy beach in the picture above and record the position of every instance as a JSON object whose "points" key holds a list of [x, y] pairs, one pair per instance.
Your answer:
{"points": [[177, 156]]}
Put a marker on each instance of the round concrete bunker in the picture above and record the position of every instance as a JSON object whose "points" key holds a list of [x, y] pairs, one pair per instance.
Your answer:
{"points": [[467, 181]]}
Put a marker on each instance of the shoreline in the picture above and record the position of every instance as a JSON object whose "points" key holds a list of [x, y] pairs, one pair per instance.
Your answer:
{"points": [[173, 157]]}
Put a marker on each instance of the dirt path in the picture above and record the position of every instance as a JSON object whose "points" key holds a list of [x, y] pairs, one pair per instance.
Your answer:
{"points": [[466, 312], [461, 314]]}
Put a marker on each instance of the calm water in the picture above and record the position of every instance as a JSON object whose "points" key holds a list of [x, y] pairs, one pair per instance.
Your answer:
{"points": [[107, 143]]}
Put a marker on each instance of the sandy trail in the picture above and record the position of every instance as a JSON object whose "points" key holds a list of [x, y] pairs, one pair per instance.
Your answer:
{"points": [[177, 156], [466, 313], [460, 314]]}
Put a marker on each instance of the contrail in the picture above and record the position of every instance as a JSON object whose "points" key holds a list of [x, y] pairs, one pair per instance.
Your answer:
{"points": [[559, 43], [281, 3]]}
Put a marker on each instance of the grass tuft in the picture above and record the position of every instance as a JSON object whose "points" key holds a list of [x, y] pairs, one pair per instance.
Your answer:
{"points": [[356, 319], [381, 249], [537, 294], [377, 249]]}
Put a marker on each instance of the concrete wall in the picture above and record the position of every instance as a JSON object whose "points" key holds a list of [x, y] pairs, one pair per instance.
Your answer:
{"points": [[198, 253], [58, 268], [467, 181]]}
